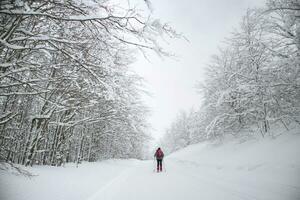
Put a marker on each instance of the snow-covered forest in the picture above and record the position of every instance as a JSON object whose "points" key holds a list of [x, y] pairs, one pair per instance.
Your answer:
{"points": [[76, 122], [66, 91], [252, 85]]}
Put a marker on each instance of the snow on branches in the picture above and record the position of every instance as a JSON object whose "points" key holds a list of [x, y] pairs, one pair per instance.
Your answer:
{"points": [[65, 91], [252, 85]]}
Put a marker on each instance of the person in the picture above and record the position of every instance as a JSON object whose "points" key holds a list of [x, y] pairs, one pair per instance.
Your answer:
{"points": [[159, 154]]}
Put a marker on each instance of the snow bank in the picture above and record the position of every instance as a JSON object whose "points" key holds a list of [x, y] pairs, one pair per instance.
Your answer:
{"points": [[283, 151], [264, 169]]}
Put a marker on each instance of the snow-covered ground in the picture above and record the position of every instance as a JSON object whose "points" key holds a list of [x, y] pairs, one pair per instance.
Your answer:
{"points": [[264, 169]]}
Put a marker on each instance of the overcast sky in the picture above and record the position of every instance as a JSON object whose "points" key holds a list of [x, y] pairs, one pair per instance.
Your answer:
{"points": [[172, 82]]}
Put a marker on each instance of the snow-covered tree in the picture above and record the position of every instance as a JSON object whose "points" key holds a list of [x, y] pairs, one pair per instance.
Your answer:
{"points": [[66, 91], [252, 85]]}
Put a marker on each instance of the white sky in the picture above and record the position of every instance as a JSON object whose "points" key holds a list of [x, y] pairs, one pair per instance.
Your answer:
{"points": [[172, 82]]}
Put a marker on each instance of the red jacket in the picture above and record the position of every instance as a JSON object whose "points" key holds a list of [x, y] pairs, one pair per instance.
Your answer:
{"points": [[159, 154]]}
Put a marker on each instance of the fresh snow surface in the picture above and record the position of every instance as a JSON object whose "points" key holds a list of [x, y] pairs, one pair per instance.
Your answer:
{"points": [[267, 169]]}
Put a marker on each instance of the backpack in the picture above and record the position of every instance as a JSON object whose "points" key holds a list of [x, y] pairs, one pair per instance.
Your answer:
{"points": [[159, 154]]}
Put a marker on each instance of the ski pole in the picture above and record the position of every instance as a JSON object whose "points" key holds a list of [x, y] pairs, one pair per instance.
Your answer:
{"points": [[164, 167], [154, 164]]}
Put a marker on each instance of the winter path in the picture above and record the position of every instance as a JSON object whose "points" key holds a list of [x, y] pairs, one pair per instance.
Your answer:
{"points": [[183, 180], [254, 170], [141, 182]]}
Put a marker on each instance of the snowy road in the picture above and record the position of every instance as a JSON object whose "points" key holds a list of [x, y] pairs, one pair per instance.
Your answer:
{"points": [[140, 182], [184, 180], [254, 170]]}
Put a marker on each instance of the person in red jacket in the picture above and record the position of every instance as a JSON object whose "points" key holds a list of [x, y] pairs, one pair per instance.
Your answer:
{"points": [[159, 154]]}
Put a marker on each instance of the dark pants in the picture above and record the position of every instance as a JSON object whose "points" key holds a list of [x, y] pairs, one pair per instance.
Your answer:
{"points": [[159, 164]]}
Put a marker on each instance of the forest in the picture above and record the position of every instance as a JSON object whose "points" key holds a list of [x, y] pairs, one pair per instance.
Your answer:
{"points": [[252, 85], [66, 91], [87, 112]]}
